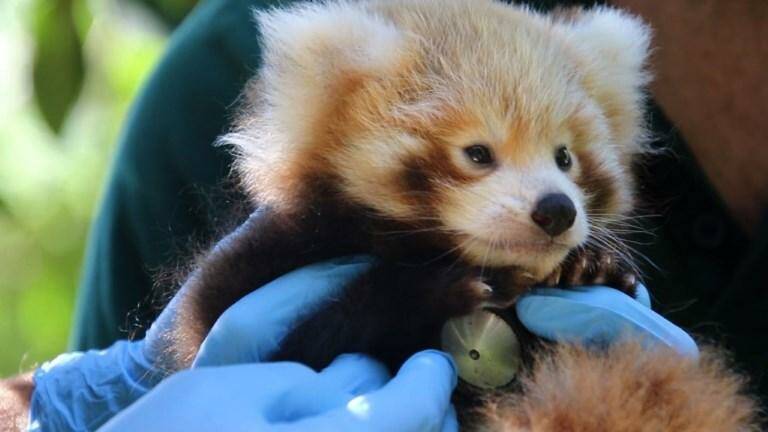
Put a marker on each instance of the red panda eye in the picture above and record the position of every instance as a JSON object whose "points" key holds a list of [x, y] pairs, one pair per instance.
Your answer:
{"points": [[479, 154], [563, 158]]}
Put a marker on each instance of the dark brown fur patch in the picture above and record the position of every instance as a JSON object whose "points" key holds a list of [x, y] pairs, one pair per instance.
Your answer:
{"points": [[597, 184], [422, 175], [441, 164]]}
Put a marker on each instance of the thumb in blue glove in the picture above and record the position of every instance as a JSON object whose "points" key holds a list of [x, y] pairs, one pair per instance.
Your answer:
{"points": [[599, 315]]}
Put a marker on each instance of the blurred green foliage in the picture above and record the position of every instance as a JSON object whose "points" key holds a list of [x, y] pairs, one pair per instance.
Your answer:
{"points": [[58, 69], [58, 28], [170, 11], [70, 69]]}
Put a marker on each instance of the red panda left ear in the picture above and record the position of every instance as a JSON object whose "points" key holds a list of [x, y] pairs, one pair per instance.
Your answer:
{"points": [[618, 41], [612, 48]]}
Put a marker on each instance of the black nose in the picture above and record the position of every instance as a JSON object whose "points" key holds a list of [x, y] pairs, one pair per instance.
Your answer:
{"points": [[554, 213]]}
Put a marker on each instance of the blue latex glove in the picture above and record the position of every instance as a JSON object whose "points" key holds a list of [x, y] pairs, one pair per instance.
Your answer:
{"points": [[251, 329], [353, 394], [80, 391], [598, 316]]}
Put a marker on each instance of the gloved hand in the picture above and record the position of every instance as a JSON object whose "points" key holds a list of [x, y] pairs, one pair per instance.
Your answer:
{"points": [[599, 315], [354, 393], [80, 391], [251, 330]]}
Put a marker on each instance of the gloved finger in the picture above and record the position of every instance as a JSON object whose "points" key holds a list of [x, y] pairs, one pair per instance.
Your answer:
{"points": [[597, 315], [259, 380], [355, 374], [348, 376], [251, 330], [226, 398], [416, 399], [450, 423]]}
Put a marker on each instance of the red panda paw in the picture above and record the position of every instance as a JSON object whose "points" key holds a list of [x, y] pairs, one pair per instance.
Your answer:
{"points": [[466, 295], [595, 267], [474, 292], [499, 299]]}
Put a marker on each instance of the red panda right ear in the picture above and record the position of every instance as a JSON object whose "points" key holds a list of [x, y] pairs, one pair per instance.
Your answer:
{"points": [[314, 55], [314, 52]]}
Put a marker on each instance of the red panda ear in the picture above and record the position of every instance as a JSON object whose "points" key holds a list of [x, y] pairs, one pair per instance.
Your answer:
{"points": [[314, 55], [312, 52], [618, 41], [613, 49], [323, 38]]}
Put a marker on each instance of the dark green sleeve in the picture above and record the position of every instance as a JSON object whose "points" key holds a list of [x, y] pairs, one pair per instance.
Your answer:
{"points": [[166, 167]]}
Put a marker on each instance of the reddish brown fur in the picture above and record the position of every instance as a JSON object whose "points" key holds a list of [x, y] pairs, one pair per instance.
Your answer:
{"points": [[627, 388], [597, 183]]}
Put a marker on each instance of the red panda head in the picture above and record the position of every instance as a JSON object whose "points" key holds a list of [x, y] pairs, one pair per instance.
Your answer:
{"points": [[508, 131]]}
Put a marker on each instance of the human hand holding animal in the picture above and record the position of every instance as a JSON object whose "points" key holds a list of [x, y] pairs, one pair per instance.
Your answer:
{"points": [[598, 315], [80, 391], [292, 396], [354, 393]]}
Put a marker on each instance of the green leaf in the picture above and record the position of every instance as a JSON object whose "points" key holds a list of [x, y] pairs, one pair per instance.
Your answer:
{"points": [[4, 209], [171, 12], [58, 69]]}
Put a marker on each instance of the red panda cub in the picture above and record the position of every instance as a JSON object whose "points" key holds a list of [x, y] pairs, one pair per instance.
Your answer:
{"points": [[475, 148]]}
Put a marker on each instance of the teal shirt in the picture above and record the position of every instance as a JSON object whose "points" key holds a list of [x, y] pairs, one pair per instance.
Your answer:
{"points": [[167, 176], [166, 169]]}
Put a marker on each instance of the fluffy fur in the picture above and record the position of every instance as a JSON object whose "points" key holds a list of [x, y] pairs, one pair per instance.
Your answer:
{"points": [[624, 389], [355, 90], [353, 140]]}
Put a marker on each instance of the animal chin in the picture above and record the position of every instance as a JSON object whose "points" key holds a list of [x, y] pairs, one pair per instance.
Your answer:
{"points": [[536, 256]]}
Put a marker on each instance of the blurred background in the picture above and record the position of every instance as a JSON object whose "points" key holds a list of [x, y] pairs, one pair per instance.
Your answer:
{"points": [[68, 72]]}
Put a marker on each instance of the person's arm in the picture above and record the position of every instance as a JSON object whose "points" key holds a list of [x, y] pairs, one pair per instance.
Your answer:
{"points": [[165, 186], [15, 394]]}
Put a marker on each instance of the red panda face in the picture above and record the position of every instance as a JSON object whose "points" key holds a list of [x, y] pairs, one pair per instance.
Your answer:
{"points": [[525, 210], [508, 132], [509, 185]]}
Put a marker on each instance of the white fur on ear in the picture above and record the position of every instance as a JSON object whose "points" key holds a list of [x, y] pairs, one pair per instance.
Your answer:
{"points": [[325, 36], [617, 41], [310, 49], [314, 52], [313, 55], [614, 48]]}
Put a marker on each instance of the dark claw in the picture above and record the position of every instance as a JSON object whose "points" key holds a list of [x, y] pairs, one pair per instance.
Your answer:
{"points": [[589, 267]]}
